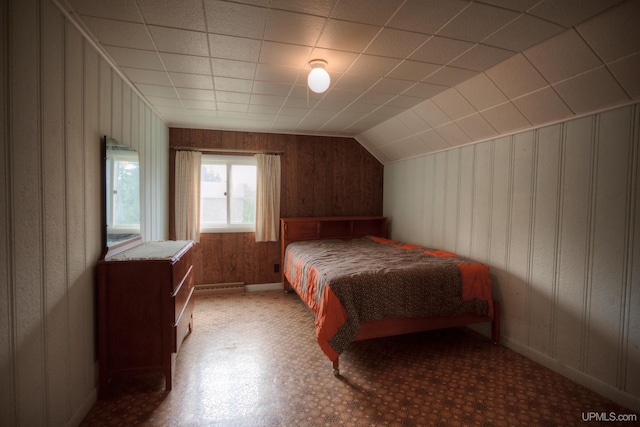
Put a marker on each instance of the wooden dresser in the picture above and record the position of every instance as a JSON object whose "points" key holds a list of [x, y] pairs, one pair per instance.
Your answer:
{"points": [[145, 309]]}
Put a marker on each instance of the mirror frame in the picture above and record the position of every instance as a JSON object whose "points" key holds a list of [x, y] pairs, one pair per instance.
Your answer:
{"points": [[113, 249]]}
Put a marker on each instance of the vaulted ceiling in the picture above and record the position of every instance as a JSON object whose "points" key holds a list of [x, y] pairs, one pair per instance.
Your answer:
{"points": [[408, 77]]}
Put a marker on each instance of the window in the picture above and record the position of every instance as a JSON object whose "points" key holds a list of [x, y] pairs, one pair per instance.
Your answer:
{"points": [[227, 193]]}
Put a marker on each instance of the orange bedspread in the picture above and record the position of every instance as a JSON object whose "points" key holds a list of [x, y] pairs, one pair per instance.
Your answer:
{"points": [[347, 282]]}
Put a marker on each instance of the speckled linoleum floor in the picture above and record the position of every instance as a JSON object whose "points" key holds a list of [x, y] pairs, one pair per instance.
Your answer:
{"points": [[252, 360]]}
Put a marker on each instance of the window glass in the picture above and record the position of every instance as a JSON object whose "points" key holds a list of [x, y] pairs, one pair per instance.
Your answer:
{"points": [[228, 193]]}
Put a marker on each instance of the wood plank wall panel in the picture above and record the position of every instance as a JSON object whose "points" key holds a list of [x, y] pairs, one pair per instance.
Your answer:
{"points": [[55, 212], [573, 246], [555, 216], [7, 398], [321, 176], [58, 101]]}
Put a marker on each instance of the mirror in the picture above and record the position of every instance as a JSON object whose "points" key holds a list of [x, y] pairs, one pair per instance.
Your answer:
{"points": [[121, 193]]}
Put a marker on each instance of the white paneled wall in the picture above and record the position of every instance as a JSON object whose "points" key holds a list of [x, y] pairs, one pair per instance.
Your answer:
{"points": [[555, 213], [59, 97]]}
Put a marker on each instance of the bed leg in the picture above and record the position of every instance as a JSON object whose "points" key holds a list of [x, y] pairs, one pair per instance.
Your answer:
{"points": [[495, 323], [336, 370]]}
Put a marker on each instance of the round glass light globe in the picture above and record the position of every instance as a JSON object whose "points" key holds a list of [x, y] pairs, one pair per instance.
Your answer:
{"points": [[318, 80]]}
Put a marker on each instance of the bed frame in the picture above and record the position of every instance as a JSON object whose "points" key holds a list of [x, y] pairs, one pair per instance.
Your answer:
{"points": [[316, 228]]}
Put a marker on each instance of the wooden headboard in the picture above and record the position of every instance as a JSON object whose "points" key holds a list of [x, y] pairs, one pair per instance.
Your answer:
{"points": [[333, 227]]}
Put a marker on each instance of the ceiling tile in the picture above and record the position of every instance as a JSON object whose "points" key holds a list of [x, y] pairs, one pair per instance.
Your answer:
{"points": [[452, 134], [196, 94], [346, 36], [233, 85], [354, 82], [431, 113], [413, 121], [570, 12], [153, 90], [153, 77], [267, 88], [425, 90], [626, 72], [187, 14], [233, 108], [477, 22], [238, 48], [433, 140], [368, 65], [233, 97], [426, 16], [505, 118], [316, 7], [413, 70], [186, 63], [523, 33], [441, 50], [122, 10], [404, 102], [562, 57], [199, 105], [604, 91], [453, 104], [516, 76], [235, 69], [480, 57], [180, 41], [481, 92], [392, 86], [395, 43], [376, 98], [289, 55], [476, 127], [517, 5], [165, 102], [411, 146], [277, 74], [135, 58], [450, 76], [376, 12], [543, 106], [290, 27], [267, 100], [195, 81], [235, 19], [119, 33], [623, 40]]}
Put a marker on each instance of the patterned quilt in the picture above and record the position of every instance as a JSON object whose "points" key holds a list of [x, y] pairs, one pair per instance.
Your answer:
{"points": [[351, 281]]}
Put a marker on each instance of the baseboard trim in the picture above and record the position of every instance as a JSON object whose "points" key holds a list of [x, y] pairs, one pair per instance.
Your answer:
{"points": [[84, 409], [619, 396]]}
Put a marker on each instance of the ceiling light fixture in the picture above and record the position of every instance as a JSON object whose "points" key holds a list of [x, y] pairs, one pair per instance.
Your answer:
{"points": [[318, 79]]}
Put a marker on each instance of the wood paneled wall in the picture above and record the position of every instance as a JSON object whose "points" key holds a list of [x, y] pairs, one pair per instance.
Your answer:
{"points": [[59, 97], [321, 176], [555, 213]]}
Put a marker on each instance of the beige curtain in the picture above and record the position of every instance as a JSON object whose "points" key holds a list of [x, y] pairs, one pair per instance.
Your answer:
{"points": [[268, 198], [188, 195]]}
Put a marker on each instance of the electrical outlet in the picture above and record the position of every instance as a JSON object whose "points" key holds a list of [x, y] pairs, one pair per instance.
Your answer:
{"points": [[276, 268]]}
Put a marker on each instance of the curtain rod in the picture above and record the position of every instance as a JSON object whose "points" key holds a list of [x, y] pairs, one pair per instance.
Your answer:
{"points": [[228, 150]]}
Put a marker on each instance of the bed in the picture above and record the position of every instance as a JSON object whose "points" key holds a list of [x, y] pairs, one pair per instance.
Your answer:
{"points": [[362, 285]]}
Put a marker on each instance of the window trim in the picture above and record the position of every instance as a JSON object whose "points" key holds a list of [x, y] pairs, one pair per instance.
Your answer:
{"points": [[233, 160]]}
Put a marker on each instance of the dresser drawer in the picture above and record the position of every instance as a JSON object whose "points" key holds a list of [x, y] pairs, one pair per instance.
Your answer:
{"points": [[181, 267], [184, 325], [182, 293]]}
